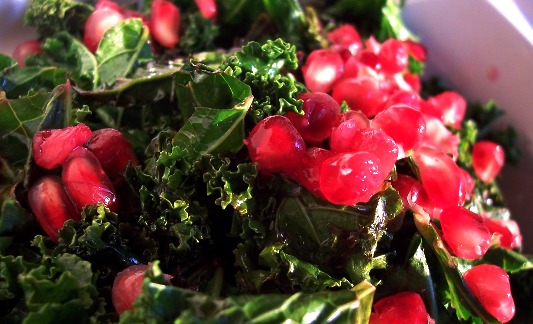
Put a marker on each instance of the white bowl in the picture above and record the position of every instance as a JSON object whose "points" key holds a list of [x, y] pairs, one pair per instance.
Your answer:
{"points": [[484, 50]]}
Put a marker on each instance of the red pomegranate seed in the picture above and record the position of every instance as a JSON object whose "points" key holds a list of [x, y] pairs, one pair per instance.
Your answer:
{"points": [[439, 137], [368, 58], [51, 147], [346, 36], [415, 49], [464, 232], [343, 136], [392, 56], [127, 286], [488, 158], [404, 124], [322, 69], [411, 192], [208, 8], [490, 284], [107, 4], [362, 93], [86, 182], [359, 119], [350, 178], [275, 145], [165, 21], [439, 175], [403, 307], [51, 205], [467, 185], [26, 49], [449, 106], [112, 150], [409, 98], [374, 141], [507, 231], [308, 174], [321, 113], [97, 24], [413, 81]]}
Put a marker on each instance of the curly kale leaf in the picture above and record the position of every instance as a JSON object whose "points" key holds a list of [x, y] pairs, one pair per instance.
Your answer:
{"points": [[52, 16], [161, 302], [266, 69]]}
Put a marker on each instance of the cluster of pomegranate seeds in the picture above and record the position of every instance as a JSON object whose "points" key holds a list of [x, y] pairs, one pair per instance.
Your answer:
{"points": [[88, 162], [347, 157], [403, 307], [164, 21]]}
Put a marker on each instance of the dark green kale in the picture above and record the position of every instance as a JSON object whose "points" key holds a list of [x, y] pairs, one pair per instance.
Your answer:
{"points": [[53, 16]]}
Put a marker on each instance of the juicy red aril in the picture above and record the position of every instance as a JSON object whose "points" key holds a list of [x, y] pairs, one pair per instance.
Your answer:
{"points": [[467, 185], [406, 97], [346, 36], [51, 205], [411, 191], [308, 173], [112, 150], [392, 56], [127, 286], [362, 93], [449, 106], [275, 145], [374, 141], [321, 113], [350, 178], [488, 158], [165, 22], [440, 137], [416, 50], [403, 307], [359, 119], [51, 147], [208, 8], [490, 285], [322, 69], [26, 49], [403, 123], [464, 232], [97, 24], [507, 231], [107, 4], [413, 81], [86, 182], [439, 175]]}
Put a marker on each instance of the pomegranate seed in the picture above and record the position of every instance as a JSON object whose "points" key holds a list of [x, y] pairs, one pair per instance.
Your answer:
{"points": [[359, 119], [415, 49], [488, 158], [440, 176], [405, 97], [362, 93], [343, 136], [368, 58], [127, 286], [411, 192], [403, 307], [374, 141], [165, 23], [449, 106], [490, 284], [507, 231], [208, 8], [308, 174], [404, 124], [467, 186], [347, 37], [86, 182], [112, 150], [51, 205], [413, 81], [26, 49], [321, 113], [98, 23], [440, 137], [107, 4], [51, 147], [464, 232], [392, 56], [275, 145], [350, 178], [322, 69]]}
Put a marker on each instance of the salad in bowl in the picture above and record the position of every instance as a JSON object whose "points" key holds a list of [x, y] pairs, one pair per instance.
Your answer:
{"points": [[247, 162]]}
